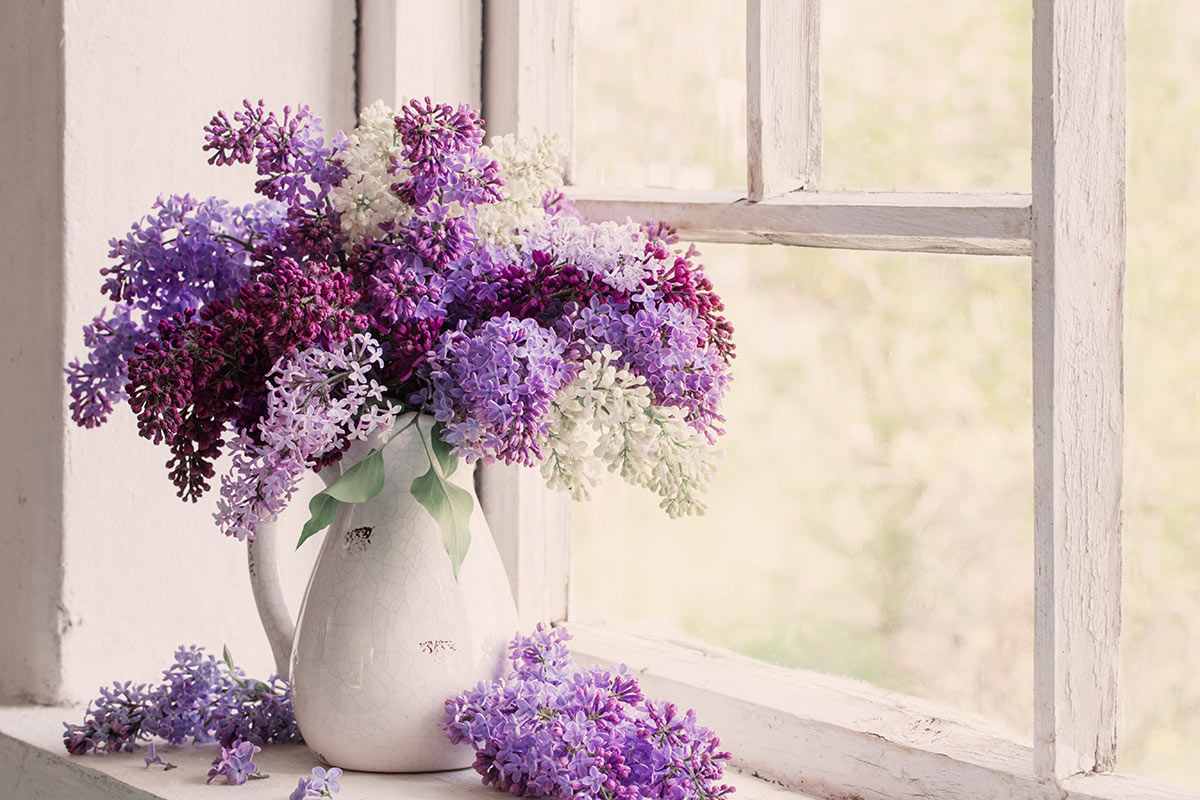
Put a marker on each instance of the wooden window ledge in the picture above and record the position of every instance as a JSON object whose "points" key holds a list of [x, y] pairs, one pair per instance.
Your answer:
{"points": [[34, 766]]}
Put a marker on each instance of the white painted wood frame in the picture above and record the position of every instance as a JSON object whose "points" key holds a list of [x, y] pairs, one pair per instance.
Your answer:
{"points": [[783, 96], [980, 224], [839, 738], [529, 85], [1078, 281]]}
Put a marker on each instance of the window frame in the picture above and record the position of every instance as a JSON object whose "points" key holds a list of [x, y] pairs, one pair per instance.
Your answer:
{"points": [[816, 733]]}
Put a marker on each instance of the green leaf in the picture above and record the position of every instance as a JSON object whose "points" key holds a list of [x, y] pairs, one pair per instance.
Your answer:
{"points": [[446, 460], [361, 482], [228, 657], [451, 506], [322, 510]]}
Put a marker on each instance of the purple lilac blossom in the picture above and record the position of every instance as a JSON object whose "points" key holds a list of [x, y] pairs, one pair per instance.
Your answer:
{"points": [[665, 344], [492, 387], [205, 372], [296, 165], [235, 763], [199, 700], [184, 255], [547, 728], [154, 759]]}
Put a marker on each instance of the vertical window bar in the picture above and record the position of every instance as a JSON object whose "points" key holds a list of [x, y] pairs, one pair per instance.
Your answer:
{"points": [[783, 96], [1078, 247], [529, 71], [528, 85], [438, 58]]}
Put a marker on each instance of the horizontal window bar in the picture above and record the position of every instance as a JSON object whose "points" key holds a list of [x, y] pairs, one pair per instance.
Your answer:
{"points": [[978, 224]]}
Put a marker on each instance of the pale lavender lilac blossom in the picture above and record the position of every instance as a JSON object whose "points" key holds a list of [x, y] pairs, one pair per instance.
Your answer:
{"points": [[664, 343], [154, 759], [319, 784], [548, 729], [317, 400]]}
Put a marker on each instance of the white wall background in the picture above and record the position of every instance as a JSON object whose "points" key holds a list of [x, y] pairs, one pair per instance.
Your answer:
{"points": [[93, 133]]}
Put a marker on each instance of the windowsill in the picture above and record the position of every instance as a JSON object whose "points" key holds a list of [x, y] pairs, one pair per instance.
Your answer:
{"points": [[34, 765]]}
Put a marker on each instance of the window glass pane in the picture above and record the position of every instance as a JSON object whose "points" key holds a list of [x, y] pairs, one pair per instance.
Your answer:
{"points": [[1160, 679], [872, 516], [927, 95], [661, 93]]}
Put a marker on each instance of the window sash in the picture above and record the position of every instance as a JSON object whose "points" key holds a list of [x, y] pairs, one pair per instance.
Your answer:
{"points": [[1072, 225]]}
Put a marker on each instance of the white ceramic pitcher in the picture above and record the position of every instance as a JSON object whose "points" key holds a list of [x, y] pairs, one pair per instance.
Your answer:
{"points": [[386, 634]]}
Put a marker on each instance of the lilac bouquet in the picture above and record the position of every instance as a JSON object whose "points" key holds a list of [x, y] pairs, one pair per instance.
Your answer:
{"points": [[548, 729], [406, 267]]}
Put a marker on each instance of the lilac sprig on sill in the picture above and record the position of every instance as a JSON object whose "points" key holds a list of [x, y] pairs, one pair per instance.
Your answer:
{"points": [[548, 728], [201, 699]]}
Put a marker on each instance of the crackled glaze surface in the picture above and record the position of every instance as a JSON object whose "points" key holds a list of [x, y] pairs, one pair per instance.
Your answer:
{"points": [[386, 634]]}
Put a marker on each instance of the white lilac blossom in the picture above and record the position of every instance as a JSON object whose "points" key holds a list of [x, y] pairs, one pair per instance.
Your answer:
{"points": [[606, 416], [530, 169], [614, 252], [364, 200], [550, 729], [317, 401]]}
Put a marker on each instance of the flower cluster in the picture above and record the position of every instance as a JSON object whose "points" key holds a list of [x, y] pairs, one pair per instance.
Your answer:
{"points": [[606, 416], [200, 699], [317, 401], [405, 267], [235, 763], [320, 783], [548, 729]]}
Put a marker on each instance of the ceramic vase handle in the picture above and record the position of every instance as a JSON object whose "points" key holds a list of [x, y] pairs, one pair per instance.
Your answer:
{"points": [[263, 561]]}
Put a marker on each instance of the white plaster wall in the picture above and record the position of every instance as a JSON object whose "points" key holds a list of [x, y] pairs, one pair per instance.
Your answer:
{"points": [[31, 114], [142, 571]]}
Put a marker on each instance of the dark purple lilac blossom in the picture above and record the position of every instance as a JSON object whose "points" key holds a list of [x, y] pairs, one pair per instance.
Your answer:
{"points": [[200, 699], [550, 729], [186, 254]]}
